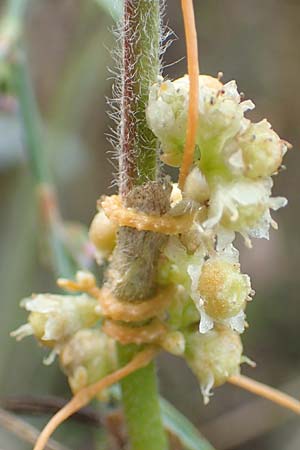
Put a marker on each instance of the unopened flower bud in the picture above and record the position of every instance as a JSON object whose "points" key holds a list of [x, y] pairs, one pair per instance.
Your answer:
{"points": [[223, 288], [262, 150], [87, 357], [173, 342], [102, 233], [213, 357]]}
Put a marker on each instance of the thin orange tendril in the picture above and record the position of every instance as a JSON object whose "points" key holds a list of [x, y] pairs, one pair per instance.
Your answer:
{"points": [[124, 334], [84, 396], [129, 217], [275, 396], [193, 71], [116, 309]]}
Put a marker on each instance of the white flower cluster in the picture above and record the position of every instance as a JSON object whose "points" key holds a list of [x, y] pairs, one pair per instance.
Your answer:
{"points": [[53, 319], [234, 158], [229, 190]]}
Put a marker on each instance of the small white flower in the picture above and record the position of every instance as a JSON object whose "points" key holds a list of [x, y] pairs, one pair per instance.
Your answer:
{"points": [[53, 318], [243, 205]]}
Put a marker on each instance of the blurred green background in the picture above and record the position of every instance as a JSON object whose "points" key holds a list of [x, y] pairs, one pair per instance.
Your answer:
{"points": [[69, 45]]}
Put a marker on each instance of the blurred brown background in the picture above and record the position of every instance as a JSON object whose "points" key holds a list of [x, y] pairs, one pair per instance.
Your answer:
{"points": [[69, 44]]}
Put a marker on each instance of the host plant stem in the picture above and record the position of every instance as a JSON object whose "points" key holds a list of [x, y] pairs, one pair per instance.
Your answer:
{"points": [[141, 37]]}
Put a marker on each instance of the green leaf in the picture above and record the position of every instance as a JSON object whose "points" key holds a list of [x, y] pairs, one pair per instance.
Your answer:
{"points": [[182, 428]]}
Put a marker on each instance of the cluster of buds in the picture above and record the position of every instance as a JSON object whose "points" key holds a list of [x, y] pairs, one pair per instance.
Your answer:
{"points": [[229, 190], [69, 326], [234, 158]]}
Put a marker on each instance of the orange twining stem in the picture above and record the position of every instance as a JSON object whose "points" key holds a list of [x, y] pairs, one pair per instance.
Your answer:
{"points": [[284, 400], [74, 286], [124, 334], [129, 217], [118, 309], [84, 396], [114, 310], [134, 312], [193, 71]]}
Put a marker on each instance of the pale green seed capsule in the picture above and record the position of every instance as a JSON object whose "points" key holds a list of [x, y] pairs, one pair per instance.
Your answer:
{"points": [[223, 288], [213, 357]]}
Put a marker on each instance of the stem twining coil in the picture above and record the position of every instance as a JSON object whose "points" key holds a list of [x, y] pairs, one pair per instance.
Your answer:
{"points": [[130, 217], [133, 322]]}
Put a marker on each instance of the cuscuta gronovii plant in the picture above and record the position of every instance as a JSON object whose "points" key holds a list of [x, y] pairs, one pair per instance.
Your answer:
{"points": [[173, 278]]}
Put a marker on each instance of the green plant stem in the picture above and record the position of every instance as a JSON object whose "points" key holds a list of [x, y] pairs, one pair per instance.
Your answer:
{"points": [[141, 406], [138, 164], [141, 67], [34, 141]]}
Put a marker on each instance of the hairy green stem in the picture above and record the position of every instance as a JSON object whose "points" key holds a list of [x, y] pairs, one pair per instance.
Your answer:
{"points": [[141, 67], [131, 275]]}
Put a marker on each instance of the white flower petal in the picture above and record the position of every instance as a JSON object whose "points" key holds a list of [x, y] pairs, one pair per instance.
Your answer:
{"points": [[206, 322], [22, 332], [247, 105], [206, 388], [237, 322], [51, 357]]}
